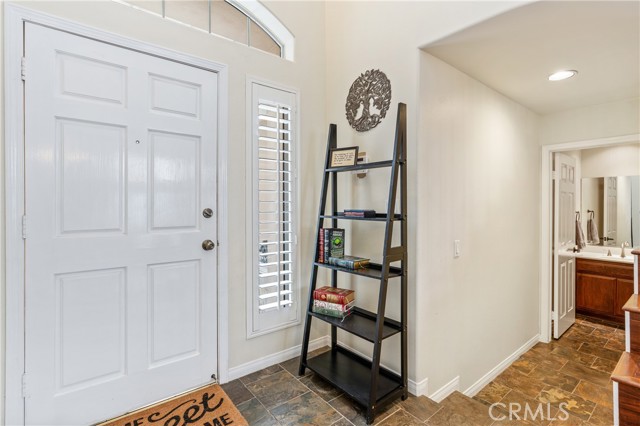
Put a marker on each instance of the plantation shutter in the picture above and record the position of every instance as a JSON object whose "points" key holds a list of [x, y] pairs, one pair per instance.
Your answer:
{"points": [[275, 287]]}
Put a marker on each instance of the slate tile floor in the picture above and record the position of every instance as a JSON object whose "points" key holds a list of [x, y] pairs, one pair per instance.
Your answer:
{"points": [[574, 370]]}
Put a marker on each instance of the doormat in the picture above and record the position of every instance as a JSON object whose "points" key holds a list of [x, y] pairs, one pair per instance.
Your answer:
{"points": [[205, 406]]}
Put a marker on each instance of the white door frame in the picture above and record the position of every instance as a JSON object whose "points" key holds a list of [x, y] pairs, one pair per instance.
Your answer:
{"points": [[14, 18], [546, 218]]}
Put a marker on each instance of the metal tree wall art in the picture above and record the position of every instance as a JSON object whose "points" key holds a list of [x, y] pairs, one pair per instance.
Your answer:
{"points": [[368, 100]]}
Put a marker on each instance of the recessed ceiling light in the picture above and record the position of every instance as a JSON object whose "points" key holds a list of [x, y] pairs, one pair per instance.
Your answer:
{"points": [[562, 75]]}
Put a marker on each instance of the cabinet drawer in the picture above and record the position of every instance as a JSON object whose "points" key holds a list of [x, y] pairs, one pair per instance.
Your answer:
{"points": [[610, 269], [595, 293]]}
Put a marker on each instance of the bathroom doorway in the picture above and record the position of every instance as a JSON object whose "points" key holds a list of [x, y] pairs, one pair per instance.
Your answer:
{"points": [[547, 218]]}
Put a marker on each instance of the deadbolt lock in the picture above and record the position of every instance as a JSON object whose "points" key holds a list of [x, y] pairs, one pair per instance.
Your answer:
{"points": [[207, 213]]}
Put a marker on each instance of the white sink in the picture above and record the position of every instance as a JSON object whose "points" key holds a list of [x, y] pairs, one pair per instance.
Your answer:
{"points": [[615, 256]]}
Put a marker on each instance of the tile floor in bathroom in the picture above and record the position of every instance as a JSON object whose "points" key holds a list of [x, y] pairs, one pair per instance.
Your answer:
{"points": [[574, 370]]}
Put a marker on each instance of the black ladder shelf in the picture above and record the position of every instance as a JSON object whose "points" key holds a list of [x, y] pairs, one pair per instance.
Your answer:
{"points": [[364, 380]]}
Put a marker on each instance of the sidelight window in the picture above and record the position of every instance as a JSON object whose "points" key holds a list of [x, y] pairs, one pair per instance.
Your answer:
{"points": [[274, 287]]}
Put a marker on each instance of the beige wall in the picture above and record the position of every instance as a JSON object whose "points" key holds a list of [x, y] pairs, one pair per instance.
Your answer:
{"points": [[307, 74], [387, 36], [618, 118], [478, 180]]}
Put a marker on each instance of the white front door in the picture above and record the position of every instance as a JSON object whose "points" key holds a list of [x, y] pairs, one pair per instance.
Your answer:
{"points": [[564, 286], [120, 152]]}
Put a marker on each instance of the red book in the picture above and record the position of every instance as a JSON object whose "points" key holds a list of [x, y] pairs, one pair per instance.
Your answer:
{"points": [[341, 296], [321, 246]]}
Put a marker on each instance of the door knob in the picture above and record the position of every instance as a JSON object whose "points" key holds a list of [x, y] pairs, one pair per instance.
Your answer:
{"points": [[208, 245], [207, 213]]}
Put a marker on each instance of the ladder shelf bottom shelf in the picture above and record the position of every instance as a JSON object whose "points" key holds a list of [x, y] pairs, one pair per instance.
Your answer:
{"points": [[352, 374], [362, 323]]}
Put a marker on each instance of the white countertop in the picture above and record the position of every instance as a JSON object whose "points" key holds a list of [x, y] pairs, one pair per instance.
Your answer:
{"points": [[599, 253]]}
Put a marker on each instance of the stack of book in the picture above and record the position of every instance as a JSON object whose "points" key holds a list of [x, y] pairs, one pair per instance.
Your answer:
{"points": [[331, 250], [333, 301], [330, 244], [359, 213]]}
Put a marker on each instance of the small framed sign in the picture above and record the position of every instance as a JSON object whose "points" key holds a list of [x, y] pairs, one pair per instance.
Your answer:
{"points": [[342, 157]]}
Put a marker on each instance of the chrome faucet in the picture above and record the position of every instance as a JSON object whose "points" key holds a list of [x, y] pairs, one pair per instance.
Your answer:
{"points": [[625, 244]]}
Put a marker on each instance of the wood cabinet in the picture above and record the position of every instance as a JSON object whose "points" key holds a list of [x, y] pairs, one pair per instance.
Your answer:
{"points": [[602, 288]]}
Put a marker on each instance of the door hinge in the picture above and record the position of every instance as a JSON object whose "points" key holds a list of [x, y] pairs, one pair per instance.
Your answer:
{"points": [[25, 394], [24, 227], [23, 68], [554, 175]]}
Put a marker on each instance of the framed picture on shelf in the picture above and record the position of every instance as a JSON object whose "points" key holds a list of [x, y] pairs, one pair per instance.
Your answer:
{"points": [[342, 157]]}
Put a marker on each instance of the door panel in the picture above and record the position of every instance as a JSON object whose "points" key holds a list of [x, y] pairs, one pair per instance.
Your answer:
{"points": [[596, 293], [174, 96], [174, 294], [91, 79], [120, 297], [91, 325], [90, 168], [175, 177]]}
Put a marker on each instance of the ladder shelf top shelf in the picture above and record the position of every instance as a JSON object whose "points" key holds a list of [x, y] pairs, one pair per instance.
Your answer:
{"points": [[379, 217], [364, 166]]}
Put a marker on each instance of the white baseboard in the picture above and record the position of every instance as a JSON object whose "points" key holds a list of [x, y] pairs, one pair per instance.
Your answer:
{"points": [[616, 406], [495, 371], [269, 360], [627, 326], [415, 388], [419, 388], [446, 390]]}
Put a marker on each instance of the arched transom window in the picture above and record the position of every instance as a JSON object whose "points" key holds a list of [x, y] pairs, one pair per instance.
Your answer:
{"points": [[244, 21]]}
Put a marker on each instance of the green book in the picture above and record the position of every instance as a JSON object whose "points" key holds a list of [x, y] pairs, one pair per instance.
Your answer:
{"points": [[336, 243], [332, 242], [349, 262]]}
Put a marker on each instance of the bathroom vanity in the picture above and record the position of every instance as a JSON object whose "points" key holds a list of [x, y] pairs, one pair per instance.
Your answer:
{"points": [[603, 286]]}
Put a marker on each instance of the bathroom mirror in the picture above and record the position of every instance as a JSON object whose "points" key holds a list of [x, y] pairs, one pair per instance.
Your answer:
{"points": [[614, 204]]}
